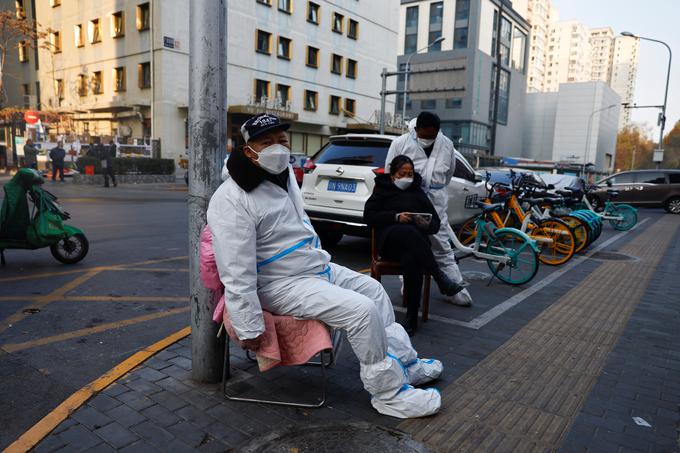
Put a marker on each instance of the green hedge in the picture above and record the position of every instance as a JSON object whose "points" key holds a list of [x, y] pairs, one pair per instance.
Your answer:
{"points": [[130, 165]]}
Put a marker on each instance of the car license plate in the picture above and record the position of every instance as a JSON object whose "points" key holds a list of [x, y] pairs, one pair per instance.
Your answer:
{"points": [[471, 201], [342, 186]]}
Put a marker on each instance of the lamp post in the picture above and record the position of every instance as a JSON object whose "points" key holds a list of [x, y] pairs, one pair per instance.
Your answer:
{"points": [[590, 123], [662, 118], [407, 70]]}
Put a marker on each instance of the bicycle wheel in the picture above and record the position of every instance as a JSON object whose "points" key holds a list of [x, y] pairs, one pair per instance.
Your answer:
{"points": [[523, 263], [561, 247], [579, 228], [467, 232], [628, 216]]}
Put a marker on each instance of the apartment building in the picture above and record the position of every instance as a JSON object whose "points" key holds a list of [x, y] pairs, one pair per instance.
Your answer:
{"points": [[456, 78], [568, 55], [316, 64], [118, 69], [601, 53], [624, 72], [20, 80]]}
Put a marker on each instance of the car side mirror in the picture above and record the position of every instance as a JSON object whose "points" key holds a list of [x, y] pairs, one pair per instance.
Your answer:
{"points": [[478, 178], [609, 183]]}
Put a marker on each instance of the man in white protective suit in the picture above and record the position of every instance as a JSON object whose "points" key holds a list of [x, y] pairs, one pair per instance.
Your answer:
{"points": [[435, 160], [269, 257]]}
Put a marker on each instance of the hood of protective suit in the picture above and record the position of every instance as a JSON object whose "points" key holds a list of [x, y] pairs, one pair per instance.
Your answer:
{"points": [[225, 171]]}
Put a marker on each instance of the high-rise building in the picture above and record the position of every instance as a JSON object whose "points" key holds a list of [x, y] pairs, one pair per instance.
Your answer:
{"points": [[568, 55], [624, 71], [457, 77], [601, 53]]}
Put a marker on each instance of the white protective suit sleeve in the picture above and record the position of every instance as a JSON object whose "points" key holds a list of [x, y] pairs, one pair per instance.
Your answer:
{"points": [[234, 236]]}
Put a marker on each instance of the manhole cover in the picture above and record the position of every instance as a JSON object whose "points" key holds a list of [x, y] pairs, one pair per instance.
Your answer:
{"points": [[613, 256], [354, 437], [476, 275]]}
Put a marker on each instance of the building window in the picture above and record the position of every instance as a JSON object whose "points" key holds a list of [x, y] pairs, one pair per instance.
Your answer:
{"points": [[462, 10], [311, 100], [353, 29], [338, 22], [78, 35], [118, 24], [460, 32], [505, 38], [59, 88], [26, 94], [82, 85], [503, 96], [284, 48], [144, 75], [261, 90], [336, 64], [19, 9], [313, 13], [411, 32], [23, 51], [454, 103], [143, 17], [286, 6], [350, 107], [428, 104], [54, 3], [94, 31], [119, 79], [263, 42], [97, 83], [282, 94], [312, 57], [460, 38], [436, 18], [55, 42], [265, 2], [351, 68], [519, 41], [334, 105]]}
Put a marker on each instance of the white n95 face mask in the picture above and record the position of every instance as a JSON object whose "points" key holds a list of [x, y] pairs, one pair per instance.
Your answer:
{"points": [[403, 183], [425, 142], [273, 159]]}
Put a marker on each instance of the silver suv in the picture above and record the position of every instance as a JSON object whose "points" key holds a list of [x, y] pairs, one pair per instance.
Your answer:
{"points": [[340, 177]]}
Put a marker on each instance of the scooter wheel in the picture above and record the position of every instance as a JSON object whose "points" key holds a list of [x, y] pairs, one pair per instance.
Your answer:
{"points": [[70, 250]]}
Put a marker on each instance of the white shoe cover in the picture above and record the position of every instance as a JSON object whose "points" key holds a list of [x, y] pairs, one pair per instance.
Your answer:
{"points": [[421, 371], [409, 402], [462, 299]]}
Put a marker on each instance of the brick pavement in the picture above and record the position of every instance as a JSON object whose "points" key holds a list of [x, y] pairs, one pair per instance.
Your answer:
{"points": [[558, 353]]}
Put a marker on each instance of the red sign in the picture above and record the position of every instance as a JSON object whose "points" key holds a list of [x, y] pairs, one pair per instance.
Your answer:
{"points": [[31, 117]]}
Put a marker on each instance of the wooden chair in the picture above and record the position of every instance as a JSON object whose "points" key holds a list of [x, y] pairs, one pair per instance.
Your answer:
{"points": [[380, 267]]}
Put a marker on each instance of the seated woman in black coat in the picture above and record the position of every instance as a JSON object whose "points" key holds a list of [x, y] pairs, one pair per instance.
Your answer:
{"points": [[402, 237]]}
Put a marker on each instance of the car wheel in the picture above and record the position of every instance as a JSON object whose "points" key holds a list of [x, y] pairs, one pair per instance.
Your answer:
{"points": [[672, 205], [329, 238]]}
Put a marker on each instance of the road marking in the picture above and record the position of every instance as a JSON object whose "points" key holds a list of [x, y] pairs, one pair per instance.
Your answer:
{"points": [[35, 434], [151, 269], [15, 347], [496, 311], [126, 298]]}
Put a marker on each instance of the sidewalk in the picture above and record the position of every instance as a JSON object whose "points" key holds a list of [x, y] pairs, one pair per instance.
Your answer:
{"points": [[570, 370]]}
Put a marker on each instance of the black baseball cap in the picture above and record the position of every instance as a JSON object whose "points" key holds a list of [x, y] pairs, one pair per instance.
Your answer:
{"points": [[261, 124]]}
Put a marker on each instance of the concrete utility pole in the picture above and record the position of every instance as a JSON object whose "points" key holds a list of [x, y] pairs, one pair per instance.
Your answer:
{"points": [[207, 146]]}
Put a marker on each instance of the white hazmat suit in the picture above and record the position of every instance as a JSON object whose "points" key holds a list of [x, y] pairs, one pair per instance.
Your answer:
{"points": [[269, 256], [436, 172]]}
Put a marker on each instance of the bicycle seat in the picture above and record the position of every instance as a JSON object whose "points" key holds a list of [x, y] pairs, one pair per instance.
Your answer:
{"points": [[486, 207]]}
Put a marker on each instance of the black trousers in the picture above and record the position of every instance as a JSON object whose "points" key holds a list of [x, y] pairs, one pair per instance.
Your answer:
{"points": [[406, 244], [108, 171], [56, 167]]}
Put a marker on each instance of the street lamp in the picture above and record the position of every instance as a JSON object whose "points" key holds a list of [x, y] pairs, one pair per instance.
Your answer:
{"points": [[662, 118], [407, 70], [590, 123]]}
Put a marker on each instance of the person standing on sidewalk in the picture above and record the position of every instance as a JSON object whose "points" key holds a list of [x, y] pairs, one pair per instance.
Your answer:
{"points": [[30, 155], [108, 153], [57, 155], [435, 160]]}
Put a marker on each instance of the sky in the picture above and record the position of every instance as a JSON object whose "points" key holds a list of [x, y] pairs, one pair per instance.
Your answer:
{"points": [[657, 19]]}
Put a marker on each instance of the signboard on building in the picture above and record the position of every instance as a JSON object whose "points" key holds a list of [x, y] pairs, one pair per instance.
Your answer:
{"points": [[255, 109], [437, 80], [170, 43]]}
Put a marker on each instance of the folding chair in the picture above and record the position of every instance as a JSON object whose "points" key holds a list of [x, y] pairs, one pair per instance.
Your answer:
{"points": [[380, 267]]}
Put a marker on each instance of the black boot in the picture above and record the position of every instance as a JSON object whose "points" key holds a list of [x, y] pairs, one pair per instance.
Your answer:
{"points": [[447, 286], [410, 323]]}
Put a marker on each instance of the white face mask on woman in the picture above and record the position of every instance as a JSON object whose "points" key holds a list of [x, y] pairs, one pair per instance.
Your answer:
{"points": [[274, 158], [403, 183], [426, 142]]}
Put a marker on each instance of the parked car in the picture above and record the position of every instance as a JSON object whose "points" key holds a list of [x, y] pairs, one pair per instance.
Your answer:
{"points": [[651, 188], [339, 178], [298, 160]]}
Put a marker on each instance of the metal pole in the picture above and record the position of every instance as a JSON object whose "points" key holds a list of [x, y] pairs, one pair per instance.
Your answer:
{"points": [[407, 70], [497, 81], [585, 154], [383, 95], [207, 146]]}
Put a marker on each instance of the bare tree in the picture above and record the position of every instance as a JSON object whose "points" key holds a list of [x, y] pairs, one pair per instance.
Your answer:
{"points": [[15, 30]]}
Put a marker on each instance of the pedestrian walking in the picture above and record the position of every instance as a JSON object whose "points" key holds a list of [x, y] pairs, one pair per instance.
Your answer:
{"points": [[435, 160], [108, 153], [30, 155], [57, 155]]}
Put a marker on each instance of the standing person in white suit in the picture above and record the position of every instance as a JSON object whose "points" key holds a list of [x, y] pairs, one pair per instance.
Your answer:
{"points": [[269, 257], [435, 160]]}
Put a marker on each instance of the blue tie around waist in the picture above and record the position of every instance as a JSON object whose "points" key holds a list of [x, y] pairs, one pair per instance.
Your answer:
{"points": [[283, 253]]}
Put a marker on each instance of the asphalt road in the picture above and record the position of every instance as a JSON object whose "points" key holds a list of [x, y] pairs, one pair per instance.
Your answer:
{"points": [[63, 326]]}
